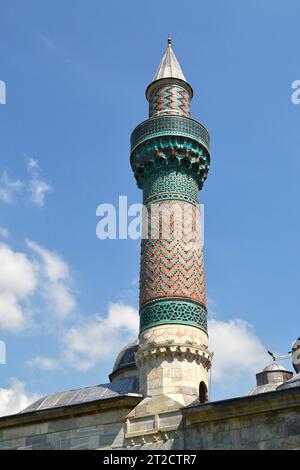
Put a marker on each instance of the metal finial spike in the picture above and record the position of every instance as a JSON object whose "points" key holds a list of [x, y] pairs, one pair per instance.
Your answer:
{"points": [[169, 40]]}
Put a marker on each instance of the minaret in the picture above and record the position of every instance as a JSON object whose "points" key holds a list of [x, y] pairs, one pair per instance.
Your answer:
{"points": [[170, 160]]}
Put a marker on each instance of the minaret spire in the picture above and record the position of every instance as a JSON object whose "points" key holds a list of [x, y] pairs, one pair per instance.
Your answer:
{"points": [[169, 72], [169, 66]]}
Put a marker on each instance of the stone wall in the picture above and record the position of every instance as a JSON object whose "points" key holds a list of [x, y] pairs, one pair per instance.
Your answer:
{"points": [[89, 426], [266, 421]]}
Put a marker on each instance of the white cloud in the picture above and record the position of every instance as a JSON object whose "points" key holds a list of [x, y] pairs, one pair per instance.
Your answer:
{"points": [[238, 353], [12, 315], [9, 188], [16, 398], [17, 281], [4, 232], [60, 299], [55, 268], [38, 190], [17, 275], [99, 337], [43, 362], [23, 280], [36, 186], [56, 286]]}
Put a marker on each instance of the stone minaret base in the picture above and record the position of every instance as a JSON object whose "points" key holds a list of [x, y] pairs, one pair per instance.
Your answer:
{"points": [[173, 360]]}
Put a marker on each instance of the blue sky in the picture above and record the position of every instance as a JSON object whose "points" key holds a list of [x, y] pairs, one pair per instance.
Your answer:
{"points": [[76, 74]]}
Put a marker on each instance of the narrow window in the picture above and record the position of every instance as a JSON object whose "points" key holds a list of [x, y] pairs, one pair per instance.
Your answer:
{"points": [[203, 395]]}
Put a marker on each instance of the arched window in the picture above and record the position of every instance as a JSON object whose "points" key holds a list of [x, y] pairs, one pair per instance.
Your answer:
{"points": [[203, 395]]}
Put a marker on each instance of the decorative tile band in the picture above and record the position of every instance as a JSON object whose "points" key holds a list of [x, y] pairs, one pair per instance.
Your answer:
{"points": [[171, 184], [167, 312], [169, 125], [170, 152], [169, 100], [169, 196]]}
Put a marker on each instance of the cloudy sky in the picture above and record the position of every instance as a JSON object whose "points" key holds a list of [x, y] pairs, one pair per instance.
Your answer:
{"points": [[75, 75]]}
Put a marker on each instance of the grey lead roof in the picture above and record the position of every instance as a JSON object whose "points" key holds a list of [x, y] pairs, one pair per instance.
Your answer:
{"points": [[169, 66], [122, 387], [126, 356], [292, 383], [263, 389], [274, 367]]}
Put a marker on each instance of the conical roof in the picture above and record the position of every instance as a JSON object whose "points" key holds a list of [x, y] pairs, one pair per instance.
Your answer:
{"points": [[169, 66]]}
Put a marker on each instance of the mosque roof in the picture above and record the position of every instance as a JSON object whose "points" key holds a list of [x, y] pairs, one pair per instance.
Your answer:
{"points": [[119, 388], [271, 387]]}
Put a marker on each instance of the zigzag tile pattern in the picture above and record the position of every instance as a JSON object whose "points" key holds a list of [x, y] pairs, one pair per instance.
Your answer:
{"points": [[169, 99], [172, 262]]}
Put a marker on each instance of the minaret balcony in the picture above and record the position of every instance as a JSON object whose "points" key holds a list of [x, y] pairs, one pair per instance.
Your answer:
{"points": [[170, 125]]}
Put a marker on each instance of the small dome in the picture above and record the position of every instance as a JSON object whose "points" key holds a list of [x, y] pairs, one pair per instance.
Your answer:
{"points": [[292, 383], [274, 366], [272, 376], [125, 363]]}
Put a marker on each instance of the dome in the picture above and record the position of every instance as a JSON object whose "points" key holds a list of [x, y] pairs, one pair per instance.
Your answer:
{"points": [[270, 378], [274, 367], [125, 365], [292, 383]]}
